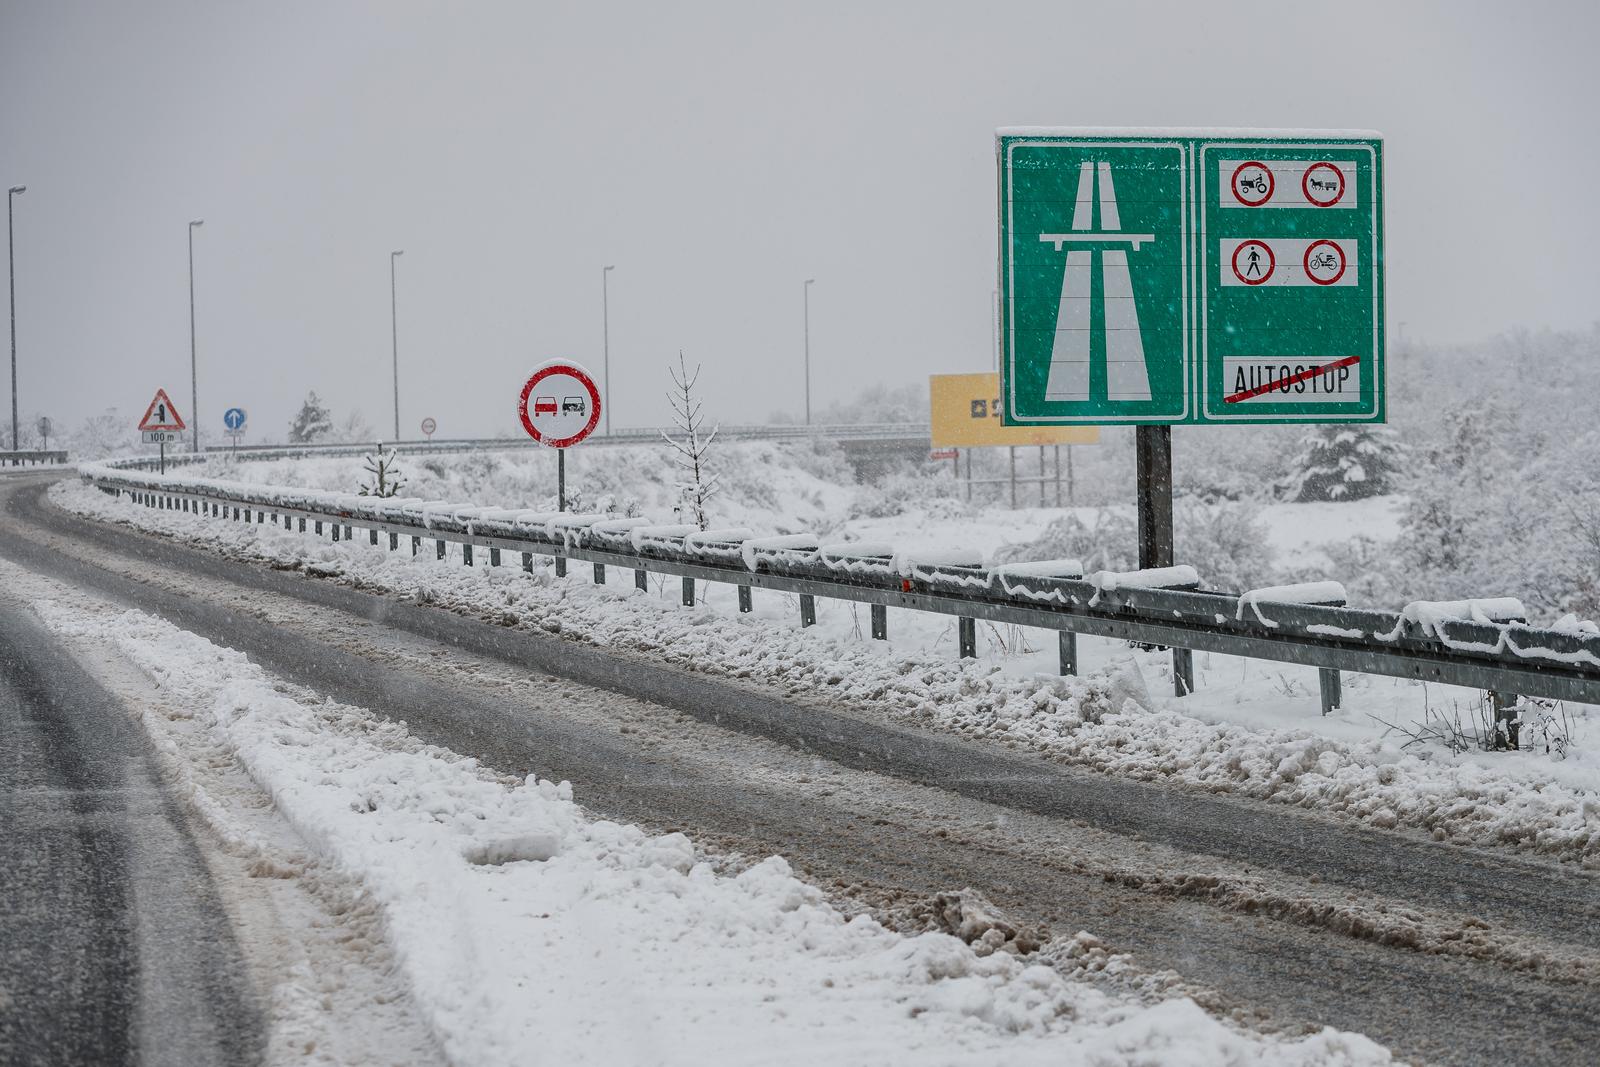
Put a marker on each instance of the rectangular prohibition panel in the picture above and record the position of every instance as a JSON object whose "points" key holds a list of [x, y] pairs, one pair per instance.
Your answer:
{"points": [[1184, 276]]}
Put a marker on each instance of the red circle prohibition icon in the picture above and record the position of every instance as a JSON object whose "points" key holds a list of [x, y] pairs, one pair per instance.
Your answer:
{"points": [[1254, 273], [573, 371], [1308, 183], [1263, 183], [1324, 258]]}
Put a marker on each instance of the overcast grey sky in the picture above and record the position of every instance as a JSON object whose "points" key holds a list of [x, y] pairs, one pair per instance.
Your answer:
{"points": [[718, 155]]}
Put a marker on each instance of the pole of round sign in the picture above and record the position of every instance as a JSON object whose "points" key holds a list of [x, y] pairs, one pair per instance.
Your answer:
{"points": [[807, 290], [194, 380]]}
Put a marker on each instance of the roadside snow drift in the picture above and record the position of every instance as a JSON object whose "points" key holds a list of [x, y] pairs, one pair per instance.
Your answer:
{"points": [[529, 932]]}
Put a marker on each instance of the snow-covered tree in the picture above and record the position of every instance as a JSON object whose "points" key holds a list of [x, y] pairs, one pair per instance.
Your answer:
{"points": [[696, 483], [1344, 462], [353, 429], [384, 477], [312, 424], [101, 435]]}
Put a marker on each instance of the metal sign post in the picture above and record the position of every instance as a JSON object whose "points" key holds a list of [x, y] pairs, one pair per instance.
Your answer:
{"points": [[233, 420], [45, 427]]}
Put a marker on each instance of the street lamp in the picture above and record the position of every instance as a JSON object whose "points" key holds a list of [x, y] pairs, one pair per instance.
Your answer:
{"points": [[807, 290], [194, 381], [11, 260], [394, 334], [605, 326]]}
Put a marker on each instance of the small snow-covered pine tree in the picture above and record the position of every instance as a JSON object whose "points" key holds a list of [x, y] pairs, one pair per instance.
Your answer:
{"points": [[383, 474], [696, 483], [312, 424], [1344, 462]]}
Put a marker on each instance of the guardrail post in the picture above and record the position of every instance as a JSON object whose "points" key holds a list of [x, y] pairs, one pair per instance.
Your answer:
{"points": [[1068, 648], [745, 604], [527, 562], [416, 545], [494, 556], [1182, 671], [1505, 715], [394, 541], [1328, 683], [336, 533], [641, 580], [880, 622], [466, 554], [561, 566], [599, 574], [373, 539], [967, 636], [347, 531], [808, 610], [303, 525], [318, 526], [441, 548], [688, 592]]}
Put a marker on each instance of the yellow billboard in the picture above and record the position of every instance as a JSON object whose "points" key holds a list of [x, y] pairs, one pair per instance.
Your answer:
{"points": [[966, 414]]}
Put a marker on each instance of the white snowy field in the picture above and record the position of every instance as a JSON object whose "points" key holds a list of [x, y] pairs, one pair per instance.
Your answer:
{"points": [[526, 930], [1253, 728]]}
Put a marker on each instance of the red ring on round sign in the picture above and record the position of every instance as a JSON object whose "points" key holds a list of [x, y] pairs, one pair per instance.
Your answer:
{"points": [[428, 425], [1305, 185], [1233, 182], [1344, 261], [540, 375], [1272, 261]]}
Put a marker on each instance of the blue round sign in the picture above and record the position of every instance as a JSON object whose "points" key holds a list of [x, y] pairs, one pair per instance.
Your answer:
{"points": [[234, 418]]}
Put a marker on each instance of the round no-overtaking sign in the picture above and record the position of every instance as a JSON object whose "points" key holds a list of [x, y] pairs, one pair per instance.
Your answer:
{"points": [[560, 405]]}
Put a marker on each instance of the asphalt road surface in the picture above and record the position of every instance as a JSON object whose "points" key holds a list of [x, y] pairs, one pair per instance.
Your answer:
{"points": [[1291, 920]]}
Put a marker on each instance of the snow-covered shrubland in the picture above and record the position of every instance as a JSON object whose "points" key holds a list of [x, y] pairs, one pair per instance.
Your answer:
{"points": [[1107, 721], [519, 922]]}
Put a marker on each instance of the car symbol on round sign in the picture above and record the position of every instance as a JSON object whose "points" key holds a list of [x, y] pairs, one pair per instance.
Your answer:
{"points": [[1253, 262], [428, 426], [1325, 262], [1252, 183], [1323, 184], [560, 405]]}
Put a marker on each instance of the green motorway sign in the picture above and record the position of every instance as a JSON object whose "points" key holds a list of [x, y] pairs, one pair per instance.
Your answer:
{"points": [[1184, 276]]}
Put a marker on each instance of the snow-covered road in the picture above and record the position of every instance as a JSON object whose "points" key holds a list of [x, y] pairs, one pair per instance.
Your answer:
{"points": [[1271, 913]]}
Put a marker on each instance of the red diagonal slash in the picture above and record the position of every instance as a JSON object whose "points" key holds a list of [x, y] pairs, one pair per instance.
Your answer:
{"points": [[1284, 383]]}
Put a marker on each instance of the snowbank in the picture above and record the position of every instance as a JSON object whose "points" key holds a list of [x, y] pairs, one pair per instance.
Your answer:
{"points": [[525, 928]]}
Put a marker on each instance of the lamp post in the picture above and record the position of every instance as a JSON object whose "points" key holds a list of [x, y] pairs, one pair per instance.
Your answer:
{"points": [[806, 289], [11, 261], [394, 336], [194, 379], [605, 334]]}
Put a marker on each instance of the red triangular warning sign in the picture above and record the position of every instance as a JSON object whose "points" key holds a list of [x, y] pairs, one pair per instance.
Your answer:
{"points": [[161, 415]]}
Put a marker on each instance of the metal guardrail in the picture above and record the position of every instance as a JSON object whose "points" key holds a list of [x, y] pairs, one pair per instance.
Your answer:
{"points": [[1474, 644], [26, 458]]}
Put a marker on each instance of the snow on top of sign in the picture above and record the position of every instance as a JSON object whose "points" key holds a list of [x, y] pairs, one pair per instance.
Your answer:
{"points": [[1214, 132]]}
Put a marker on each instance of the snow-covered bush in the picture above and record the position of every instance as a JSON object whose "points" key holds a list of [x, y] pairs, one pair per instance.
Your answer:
{"points": [[1343, 462], [933, 492]]}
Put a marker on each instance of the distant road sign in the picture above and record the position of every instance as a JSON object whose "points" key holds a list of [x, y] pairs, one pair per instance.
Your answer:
{"points": [[161, 415], [967, 413], [234, 419], [428, 426], [560, 405], [45, 426], [1191, 276]]}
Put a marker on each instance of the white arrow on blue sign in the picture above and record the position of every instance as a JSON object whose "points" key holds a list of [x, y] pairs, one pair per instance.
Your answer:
{"points": [[234, 418]]}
